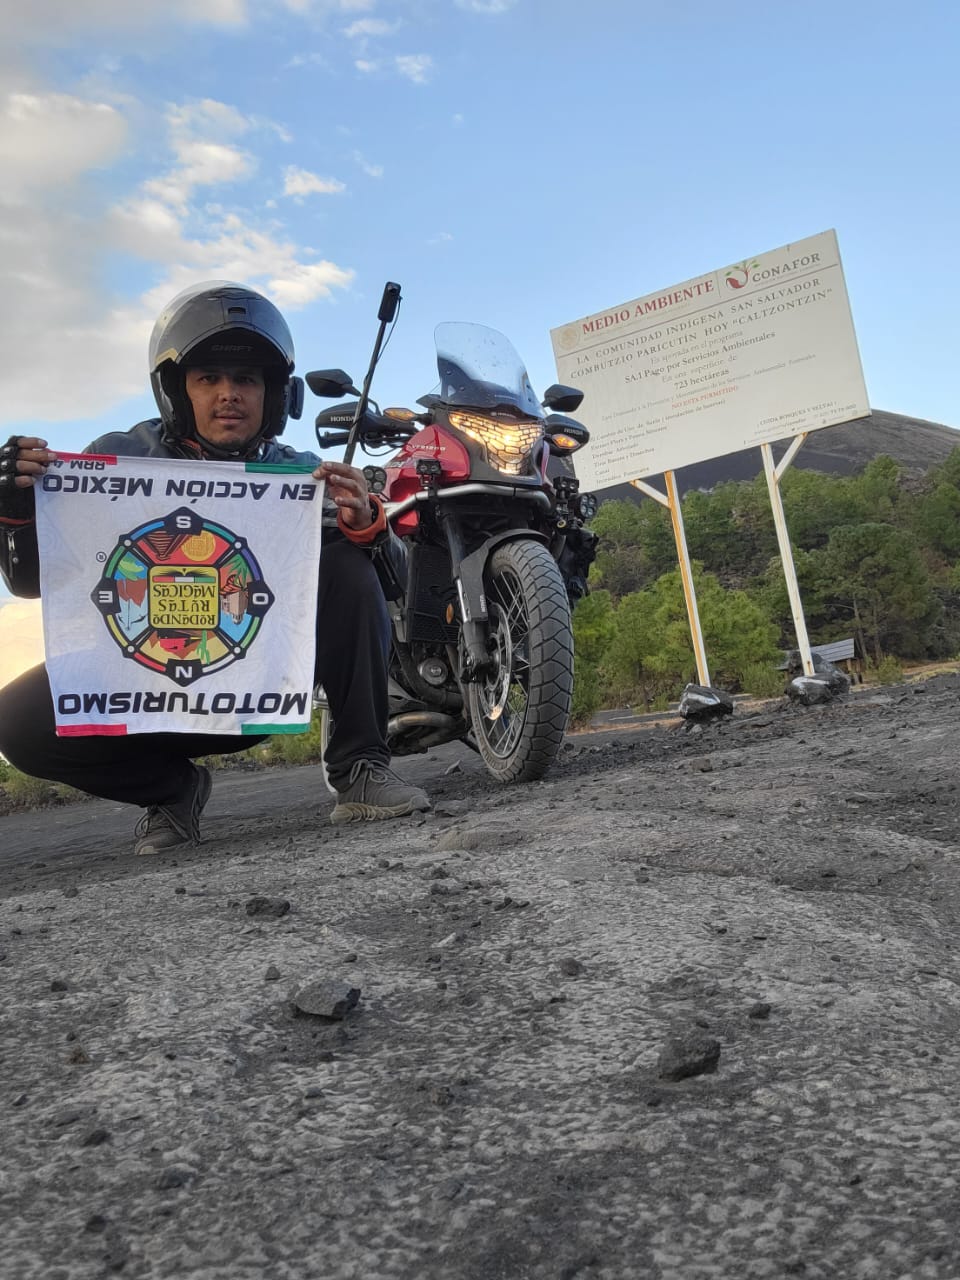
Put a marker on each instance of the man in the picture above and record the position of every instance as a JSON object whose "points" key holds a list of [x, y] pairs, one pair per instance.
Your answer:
{"points": [[221, 365]]}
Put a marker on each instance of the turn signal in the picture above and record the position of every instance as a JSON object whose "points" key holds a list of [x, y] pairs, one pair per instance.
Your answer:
{"points": [[565, 442]]}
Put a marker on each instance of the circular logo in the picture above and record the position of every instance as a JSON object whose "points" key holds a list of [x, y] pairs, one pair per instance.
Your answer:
{"points": [[568, 337], [182, 596]]}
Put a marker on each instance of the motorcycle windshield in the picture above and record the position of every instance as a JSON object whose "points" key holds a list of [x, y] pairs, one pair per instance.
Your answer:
{"points": [[479, 369]]}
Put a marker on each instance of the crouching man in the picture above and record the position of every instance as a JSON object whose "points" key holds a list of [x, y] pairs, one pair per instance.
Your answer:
{"points": [[221, 365]]}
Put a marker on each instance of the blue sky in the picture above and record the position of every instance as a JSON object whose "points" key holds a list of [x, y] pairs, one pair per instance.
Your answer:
{"points": [[515, 162], [519, 163]]}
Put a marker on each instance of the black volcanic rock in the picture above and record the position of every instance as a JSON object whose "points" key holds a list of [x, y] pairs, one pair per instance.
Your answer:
{"points": [[843, 450]]}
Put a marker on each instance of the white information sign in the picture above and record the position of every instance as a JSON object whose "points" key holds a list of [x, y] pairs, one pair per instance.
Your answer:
{"points": [[758, 351]]}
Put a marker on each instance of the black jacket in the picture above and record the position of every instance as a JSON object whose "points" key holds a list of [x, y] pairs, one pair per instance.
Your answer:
{"points": [[19, 556]]}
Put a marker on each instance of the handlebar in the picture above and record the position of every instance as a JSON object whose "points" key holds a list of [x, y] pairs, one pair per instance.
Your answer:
{"points": [[332, 439], [374, 429]]}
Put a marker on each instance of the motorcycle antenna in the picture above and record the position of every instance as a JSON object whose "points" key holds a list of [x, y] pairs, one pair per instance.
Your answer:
{"points": [[386, 315]]}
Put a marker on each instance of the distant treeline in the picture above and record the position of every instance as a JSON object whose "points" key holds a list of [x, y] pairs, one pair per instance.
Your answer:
{"points": [[877, 558]]}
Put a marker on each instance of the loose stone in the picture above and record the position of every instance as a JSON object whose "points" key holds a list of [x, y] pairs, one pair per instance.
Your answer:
{"points": [[269, 908], [326, 998], [690, 1055]]}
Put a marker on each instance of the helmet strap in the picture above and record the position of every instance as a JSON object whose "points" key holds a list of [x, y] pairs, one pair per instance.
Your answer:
{"points": [[246, 453]]}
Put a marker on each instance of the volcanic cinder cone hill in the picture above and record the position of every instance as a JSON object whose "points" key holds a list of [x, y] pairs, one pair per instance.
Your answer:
{"points": [[843, 450]]}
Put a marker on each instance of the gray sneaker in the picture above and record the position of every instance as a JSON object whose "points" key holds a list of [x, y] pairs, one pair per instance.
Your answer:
{"points": [[375, 792], [164, 826]]}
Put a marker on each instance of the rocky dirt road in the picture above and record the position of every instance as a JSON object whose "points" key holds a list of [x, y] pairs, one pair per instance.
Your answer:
{"points": [[687, 1009]]}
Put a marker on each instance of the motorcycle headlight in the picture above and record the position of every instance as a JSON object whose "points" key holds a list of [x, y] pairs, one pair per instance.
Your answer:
{"points": [[507, 442]]}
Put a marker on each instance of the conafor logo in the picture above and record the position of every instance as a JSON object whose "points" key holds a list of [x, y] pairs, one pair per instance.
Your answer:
{"points": [[737, 276], [182, 596]]}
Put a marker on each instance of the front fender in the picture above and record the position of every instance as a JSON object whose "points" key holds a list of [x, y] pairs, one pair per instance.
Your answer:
{"points": [[473, 597]]}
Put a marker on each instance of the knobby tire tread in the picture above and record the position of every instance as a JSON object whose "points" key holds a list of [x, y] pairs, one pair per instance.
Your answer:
{"points": [[550, 688]]}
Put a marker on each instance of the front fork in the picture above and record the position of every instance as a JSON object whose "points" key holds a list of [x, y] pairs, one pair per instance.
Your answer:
{"points": [[476, 656], [468, 577]]}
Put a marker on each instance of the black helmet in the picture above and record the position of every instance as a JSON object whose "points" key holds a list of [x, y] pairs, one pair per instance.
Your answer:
{"points": [[222, 323]]}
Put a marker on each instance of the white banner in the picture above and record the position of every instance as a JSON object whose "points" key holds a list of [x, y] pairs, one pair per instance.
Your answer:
{"points": [[755, 352], [179, 597]]}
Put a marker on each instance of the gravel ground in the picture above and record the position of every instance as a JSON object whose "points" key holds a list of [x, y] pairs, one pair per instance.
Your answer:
{"points": [[686, 1009]]}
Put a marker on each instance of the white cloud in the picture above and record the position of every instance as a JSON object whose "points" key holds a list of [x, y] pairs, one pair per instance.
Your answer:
{"points": [[363, 64], [53, 21], [281, 131], [148, 228], [51, 237], [371, 170], [75, 346], [69, 354], [74, 351], [307, 60], [198, 139], [365, 27], [301, 283], [415, 66], [300, 182], [233, 250], [48, 140], [202, 164], [486, 6], [212, 118]]}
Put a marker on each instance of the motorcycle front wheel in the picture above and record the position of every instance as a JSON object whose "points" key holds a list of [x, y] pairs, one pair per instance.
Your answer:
{"points": [[520, 706]]}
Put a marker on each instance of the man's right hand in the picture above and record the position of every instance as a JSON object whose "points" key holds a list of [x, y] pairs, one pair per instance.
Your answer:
{"points": [[23, 459]]}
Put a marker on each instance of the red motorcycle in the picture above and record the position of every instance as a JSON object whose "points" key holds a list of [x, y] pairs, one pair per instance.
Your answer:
{"points": [[496, 550]]}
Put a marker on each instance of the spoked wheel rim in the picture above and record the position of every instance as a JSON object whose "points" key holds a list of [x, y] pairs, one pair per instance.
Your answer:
{"points": [[504, 692]]}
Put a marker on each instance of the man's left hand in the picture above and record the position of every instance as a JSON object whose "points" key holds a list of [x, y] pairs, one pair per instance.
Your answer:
{"points": [[347, 487]]}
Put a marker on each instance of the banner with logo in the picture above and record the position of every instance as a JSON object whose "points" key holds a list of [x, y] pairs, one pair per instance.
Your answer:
{"points": [[179, 597]]}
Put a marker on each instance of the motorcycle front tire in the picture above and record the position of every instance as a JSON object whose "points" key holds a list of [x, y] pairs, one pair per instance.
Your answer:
{"points": [[520, 707]]}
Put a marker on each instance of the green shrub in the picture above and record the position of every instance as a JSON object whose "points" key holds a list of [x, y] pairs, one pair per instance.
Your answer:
{"points": [[651, 653], [255, 757], [586, 694], [889, 670], [762, 680], [296, 748], [25, 792]]}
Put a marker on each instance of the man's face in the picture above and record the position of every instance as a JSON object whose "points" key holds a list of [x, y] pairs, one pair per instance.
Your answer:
{"points": [[227, 403]]}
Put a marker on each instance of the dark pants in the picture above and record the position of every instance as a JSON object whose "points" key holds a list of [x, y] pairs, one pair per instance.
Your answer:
{"points": [[353, 643]]}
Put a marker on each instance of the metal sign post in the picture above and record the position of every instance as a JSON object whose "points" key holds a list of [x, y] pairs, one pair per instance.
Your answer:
{"points": [[671, 500], [773, 473]]}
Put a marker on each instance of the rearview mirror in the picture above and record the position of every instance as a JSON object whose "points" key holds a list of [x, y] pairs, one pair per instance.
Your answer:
{"points": [[564, 399], [331, 382]]}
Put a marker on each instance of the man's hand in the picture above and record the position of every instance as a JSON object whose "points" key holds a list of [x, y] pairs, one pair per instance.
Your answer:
{"points": [[347, 486], [23, 459]]}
